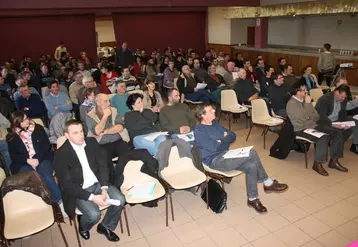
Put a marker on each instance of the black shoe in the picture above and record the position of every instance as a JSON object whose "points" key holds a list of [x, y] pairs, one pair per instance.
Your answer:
{"points": [[111, 236], [354, 148], [84, 234], [257, 205], [334, 164]]}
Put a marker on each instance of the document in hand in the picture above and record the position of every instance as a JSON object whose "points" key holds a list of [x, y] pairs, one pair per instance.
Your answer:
{"points": [[201, 85], [314, 133], [142, 190], [345, 124], [238, 153], [187, 137], [235, 75], [113, 202], [154, 135]]}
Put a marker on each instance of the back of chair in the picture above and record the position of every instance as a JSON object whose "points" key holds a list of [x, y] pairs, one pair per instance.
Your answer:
{"points": [[259, 111], [228, 100], [176, 163], [25, 214], [132, 174], [60, 141], [39, 121], [2, 175], [316, 93], [136, 91], [182, 96]]}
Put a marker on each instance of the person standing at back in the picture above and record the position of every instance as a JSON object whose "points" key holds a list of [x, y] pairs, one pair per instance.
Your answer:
{"points": [[326, 64]]}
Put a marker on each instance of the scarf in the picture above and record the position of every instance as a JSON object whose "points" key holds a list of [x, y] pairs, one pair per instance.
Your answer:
{"points": [[89, 103], [26, 137]]}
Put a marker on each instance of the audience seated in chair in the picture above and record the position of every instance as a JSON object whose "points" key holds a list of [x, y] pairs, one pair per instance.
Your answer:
{"points": [[22, 82], [9, 79], [289, 78], [105, 124], [131, 81], [245, 89], [309, 79], [215, 82], [332, 108], [260, 68], [82, 68], [88, 104], [30, 103], [119, 100], [56, 101], [107, 75], [83, 175], [352, 104], [87, 82], [304, 116], [198, 71], [151, 69], [4, 150], [30, 150], [175, 117], [214, 141], [266, 81], [228, 76], [187, 83], [45, 76], [140, 123], [73, 91], [278, 95], [170, 74], [151, 98], [281, 64]]}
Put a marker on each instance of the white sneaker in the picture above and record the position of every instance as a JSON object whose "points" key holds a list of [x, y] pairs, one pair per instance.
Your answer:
{"points": [[63, 210]]}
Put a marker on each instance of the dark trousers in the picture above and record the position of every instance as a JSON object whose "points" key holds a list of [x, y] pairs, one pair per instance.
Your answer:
{"points": [[113, 150], [201, 95], [334, 137], [321, 77], [91, 213]]}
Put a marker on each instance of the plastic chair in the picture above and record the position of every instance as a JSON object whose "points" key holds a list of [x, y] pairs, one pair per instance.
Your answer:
{"points": [[180, 174], [315, 94], [229, 104], [135, 91], [39, 121], [304, 141], [26, 214], [182, 96], [133, 175], [260, 116]]}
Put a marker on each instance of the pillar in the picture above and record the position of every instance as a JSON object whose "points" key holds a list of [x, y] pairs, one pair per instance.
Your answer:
{"points": [[261, 32]]}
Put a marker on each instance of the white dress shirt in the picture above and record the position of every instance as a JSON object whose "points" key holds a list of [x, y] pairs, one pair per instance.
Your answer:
{"points": [[89, 178]]}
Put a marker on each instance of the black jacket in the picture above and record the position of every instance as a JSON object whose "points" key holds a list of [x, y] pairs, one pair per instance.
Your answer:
{"points": [[124, 58], [278, 96], [325, 106], [244, 90], [212, 84], [265, 83], [69, 172], [18, 151], [184, 86], [140, 123]]}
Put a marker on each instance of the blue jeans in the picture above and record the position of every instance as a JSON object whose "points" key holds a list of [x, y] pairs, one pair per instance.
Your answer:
{"points": [[90, 210], [201, 95], [46, 172], [5, 152], [139, 142], [190, 143]]}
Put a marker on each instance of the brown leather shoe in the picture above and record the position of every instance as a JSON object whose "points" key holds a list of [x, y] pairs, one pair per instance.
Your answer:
{"points": [[317, 167], [334, 164], [257, 205], [275, 187]]}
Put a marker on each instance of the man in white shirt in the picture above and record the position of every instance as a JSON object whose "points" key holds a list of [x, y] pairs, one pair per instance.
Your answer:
{"points": [[83, 177]]}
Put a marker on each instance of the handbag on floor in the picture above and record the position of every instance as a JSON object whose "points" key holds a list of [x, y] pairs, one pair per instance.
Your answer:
{"points": [[217, 196]]}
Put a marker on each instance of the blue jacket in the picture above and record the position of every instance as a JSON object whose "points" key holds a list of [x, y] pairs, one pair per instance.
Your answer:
{"points": [[51, 101], [34, 103], [206, 139]]}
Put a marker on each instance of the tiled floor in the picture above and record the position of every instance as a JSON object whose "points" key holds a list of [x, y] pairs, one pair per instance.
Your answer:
{"points": [[316, 211]]}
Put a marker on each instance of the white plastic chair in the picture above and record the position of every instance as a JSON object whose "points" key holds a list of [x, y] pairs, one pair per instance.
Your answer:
{"points": [[261, 117], [315, 94]]}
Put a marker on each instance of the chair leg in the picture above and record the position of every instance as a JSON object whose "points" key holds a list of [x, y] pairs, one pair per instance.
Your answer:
{"points": [[171, 206], [249, 132], [121, 223], [76, 230], [230, 120], [265, 132], [223, 186], [62, 234], [207, 195], [126, 219], [306, 159], [166, 210], [220, 116]]}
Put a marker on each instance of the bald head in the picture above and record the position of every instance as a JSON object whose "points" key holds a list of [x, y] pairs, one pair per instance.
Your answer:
{"points": [[242, 73], [102, 101], [230, 66], [341, 81]]}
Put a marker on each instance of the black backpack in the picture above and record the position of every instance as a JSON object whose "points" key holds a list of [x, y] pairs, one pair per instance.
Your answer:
{"points": [[217, 197]]}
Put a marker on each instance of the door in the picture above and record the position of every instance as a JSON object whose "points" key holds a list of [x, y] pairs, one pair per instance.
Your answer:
{"points": [[250, 36]]}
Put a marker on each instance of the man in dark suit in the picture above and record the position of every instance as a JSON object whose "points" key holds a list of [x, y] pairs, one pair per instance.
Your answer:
{"points": [[82, 173]]}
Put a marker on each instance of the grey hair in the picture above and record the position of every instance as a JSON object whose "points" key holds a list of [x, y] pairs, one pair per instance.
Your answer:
{"points": [[184, 67]]}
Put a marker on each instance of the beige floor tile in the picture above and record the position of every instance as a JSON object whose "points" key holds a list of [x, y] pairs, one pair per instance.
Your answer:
{"points": [[346, 209], [163, 239], [292, 212], [235, 215], [198, 211], [341, 190], [274, 200], [353, 199], [313, 243], [247, 245], [326, 197], [331, 217], [309, 204], [137, 243], [272, 220], [212, 223], [349, 230], [135, 232], [251, 229], [181, 216], [152, 224], [69, 232], [333, 239], [228, 238], [293, 194], [292, 236], [203, 242], [188, 232], [98, 240], [312, 226], [43, 237], [269, 240]]}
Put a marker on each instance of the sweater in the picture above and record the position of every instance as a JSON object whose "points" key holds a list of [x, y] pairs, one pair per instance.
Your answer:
{"points": [[169, 75], [147, 103], [34, 105], [278, 96], [326, 62], [172, 117], [324, 107], [60, 101], [302, 115], [74, 87], [206, 139], [244, 90], [119, 102], [140, 123]]}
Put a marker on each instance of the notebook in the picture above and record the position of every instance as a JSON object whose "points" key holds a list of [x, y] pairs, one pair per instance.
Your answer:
{"points": [[142, 190]]}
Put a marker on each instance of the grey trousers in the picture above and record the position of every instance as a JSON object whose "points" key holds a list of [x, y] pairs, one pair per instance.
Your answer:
{"points": [[334, 137], [251, 165]]}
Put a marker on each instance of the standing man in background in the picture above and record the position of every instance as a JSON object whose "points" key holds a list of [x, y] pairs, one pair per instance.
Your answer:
{"points": [[59, 50], [124, 57], [326, 64]]}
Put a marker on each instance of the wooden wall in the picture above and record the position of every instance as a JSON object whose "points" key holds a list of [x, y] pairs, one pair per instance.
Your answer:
{"points": [[298, 62], [219, 47]]}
